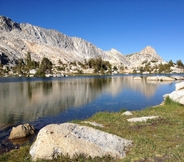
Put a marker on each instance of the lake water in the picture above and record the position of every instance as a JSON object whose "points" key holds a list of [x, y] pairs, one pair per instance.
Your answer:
{"points": [[41, 101]]}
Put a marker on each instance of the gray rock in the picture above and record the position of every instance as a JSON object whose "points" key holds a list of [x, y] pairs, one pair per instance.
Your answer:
{"points": [[166, 78], [179, 86], [56, 139], [93, 124], [142, 119], [160, 78], [178, 77], [21, 131], [177, 96], [127, 113]]}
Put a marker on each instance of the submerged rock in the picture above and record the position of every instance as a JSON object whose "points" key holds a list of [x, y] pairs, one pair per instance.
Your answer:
{"points": [[73, 139]]}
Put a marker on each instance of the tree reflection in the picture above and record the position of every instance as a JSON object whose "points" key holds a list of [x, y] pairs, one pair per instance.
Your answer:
{"points": [[47, 87], [99, 83], [29, 90]]}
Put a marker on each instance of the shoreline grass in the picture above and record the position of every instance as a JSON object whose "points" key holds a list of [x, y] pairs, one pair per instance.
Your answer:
{"points": [[161, 139]]}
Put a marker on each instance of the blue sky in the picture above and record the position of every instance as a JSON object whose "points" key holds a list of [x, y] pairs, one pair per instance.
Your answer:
{"points": [[126, 25]]}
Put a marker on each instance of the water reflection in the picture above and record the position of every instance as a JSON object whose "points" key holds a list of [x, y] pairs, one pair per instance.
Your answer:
{"points": [[28, 101]]}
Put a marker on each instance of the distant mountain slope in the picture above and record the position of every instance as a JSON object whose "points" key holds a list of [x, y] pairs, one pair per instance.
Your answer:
{"points": [[16, 40]]}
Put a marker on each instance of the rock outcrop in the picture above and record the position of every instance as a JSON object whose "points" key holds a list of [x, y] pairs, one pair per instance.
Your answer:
{"points": [[178, 94], [179, 86], [148, 54], [73, 139], [21, 131]]}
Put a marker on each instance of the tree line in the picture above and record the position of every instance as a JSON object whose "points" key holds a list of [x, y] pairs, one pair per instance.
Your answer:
{"points": [[160, 68], [23, 66]]}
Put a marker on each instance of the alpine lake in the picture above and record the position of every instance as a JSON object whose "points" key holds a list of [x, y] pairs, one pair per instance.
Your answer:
{"points": [[42, 101]]}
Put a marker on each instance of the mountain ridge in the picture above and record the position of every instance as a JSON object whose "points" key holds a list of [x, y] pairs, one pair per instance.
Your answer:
{"points": [[17, 39]]}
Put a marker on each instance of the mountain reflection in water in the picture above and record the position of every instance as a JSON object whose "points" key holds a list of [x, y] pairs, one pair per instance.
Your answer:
{"points": [[29, 101]]}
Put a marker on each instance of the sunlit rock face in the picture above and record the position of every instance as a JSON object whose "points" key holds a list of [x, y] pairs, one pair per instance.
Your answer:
{"points": [[149, 50], [18, 39]]}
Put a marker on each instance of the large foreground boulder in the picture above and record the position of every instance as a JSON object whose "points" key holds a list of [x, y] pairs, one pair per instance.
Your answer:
{"points": [[73, 139], [21, 131]]}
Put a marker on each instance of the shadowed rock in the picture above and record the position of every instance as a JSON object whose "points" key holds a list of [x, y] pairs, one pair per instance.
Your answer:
{"points": [[22, 131]]}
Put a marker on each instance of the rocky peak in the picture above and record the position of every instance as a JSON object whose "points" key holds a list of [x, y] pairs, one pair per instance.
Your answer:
{"points": [[114, 51], [148, 54], [7, 24], [148, 50]]}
